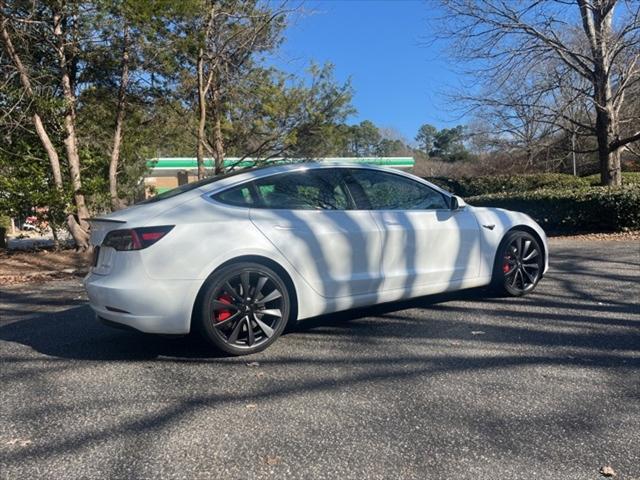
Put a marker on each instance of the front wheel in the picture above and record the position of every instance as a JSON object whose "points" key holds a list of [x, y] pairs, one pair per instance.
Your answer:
{"points": [[244, 309], [518, 265]]}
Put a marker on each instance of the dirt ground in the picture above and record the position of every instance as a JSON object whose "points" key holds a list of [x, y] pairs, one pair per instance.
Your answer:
{"points": [[42, 265], [45, 265]]}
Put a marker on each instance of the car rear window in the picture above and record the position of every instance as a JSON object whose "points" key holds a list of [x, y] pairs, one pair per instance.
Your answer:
{"points": [[187, 187]]}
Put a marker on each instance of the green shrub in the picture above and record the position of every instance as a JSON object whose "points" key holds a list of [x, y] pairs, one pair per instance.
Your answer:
{"points": [[628, 178], [470, 187], [591, 209]]}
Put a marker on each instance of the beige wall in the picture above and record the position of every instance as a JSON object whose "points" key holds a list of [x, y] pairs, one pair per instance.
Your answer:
{"points": [[164, 182]]}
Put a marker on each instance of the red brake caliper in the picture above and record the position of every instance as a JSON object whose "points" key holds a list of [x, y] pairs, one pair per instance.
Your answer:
{"points": [[505, 265], [222, 315]]}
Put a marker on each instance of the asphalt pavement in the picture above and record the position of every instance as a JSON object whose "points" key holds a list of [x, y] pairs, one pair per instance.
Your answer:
{"points": [[459, 386]]}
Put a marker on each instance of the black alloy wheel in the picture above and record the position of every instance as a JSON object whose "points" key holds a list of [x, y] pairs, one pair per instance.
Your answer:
{"points": [[519, 264], [245, 308]]}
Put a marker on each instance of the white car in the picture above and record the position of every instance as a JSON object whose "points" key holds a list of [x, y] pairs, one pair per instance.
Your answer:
{"points": [[239, 257]]}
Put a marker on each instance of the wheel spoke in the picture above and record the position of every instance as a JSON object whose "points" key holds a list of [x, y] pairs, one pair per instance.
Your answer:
{"points": [[244, 279], [259, 286], [514, 279], [273, 312], [268, 331], [527, 244], [250, 336], [231, 291], [272, 296], [531, 279], [226, 321], [519, 247], [218, 305], [531, 265], [233, 337], [533, 254]]}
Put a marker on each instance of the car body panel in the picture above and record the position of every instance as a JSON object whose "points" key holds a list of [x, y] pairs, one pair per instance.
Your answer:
{"points": [[336, 251], [426, 247]]}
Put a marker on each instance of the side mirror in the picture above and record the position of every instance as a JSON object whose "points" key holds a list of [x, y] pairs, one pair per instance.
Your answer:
{"points": [[457, 203]]}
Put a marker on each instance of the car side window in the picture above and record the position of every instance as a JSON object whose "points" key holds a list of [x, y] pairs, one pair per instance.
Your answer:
{"points": [[240, 196], [386, 191], [305, 190]]}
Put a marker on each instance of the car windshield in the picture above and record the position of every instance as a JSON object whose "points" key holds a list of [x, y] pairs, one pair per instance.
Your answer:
{"points": [[187, 187]]}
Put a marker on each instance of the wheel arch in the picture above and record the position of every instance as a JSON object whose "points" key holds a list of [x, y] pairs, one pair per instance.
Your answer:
{"points": [[530, 231], [267, 262], [534, 234]]}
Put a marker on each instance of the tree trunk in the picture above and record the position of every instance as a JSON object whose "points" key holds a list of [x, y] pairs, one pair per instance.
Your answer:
{"points": [[218, 140], [202, 107], [597, 20], [606, 128], [116, 202], [47, 144], [615, 169], [79, 227]]}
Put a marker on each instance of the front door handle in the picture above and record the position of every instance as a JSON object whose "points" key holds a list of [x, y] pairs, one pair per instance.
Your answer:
{"points": [[285, 227]]}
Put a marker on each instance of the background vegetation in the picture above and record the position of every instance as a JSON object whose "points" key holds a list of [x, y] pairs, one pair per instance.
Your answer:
{"points": [[91, 89]]}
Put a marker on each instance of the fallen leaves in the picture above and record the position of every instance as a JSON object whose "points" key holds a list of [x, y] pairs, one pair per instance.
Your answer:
{"points": [[21, 442], [272, 459], [607, 471], [40, 266], [631, 235]]}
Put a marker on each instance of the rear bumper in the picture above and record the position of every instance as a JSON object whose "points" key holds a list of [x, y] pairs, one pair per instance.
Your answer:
{"points": [[147, 305]]}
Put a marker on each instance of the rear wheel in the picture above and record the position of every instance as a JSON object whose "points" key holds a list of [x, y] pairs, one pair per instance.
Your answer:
{"points": [[244, 309], [519, 263]]}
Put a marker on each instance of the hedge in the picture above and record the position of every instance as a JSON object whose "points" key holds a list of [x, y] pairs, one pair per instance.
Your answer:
{"points": [[469, 187], [591, 209], [473, 186], [628, 178]]}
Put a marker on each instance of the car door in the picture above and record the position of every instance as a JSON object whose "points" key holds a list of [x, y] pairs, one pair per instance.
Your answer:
{"points": [[309, 217], [424, 242]]}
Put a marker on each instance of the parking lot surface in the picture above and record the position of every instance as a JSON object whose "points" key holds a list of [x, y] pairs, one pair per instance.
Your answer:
{"points": [[458, 386]]}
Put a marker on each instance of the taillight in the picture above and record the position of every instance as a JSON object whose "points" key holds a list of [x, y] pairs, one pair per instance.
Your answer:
{"points": [[135, 238]]}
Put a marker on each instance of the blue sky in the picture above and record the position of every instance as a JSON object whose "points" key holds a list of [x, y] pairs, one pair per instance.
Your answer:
{"points": [[381, 44]]}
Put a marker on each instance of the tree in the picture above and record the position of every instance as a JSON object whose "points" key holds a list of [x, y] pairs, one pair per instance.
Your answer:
{"points": [[54, 29], [426, 137], [505, 42], [281, 116], [364, 139], [128, 70], [448, 144], [90, 90], [227, 36]]}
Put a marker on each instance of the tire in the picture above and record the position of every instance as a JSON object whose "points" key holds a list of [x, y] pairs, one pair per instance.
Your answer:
{"points": [[244, 309], [518, 264]]}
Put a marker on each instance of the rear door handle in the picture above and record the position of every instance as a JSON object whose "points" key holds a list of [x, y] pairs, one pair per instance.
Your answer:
{"points": [[284, 227]]}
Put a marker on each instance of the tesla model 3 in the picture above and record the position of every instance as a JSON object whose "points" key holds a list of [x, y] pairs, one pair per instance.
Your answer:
{"points": [[239, 257]]}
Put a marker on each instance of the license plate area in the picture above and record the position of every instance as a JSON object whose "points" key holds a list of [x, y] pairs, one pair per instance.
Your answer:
{"points": [[104, 261]]}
